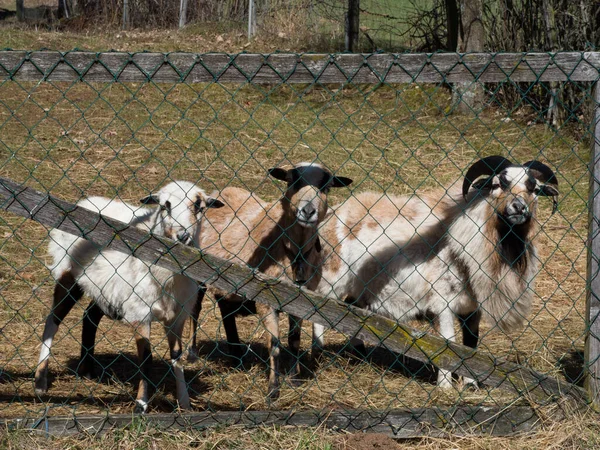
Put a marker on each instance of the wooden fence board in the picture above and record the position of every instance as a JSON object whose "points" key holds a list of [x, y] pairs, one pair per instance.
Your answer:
{"points": [[298, 68]]}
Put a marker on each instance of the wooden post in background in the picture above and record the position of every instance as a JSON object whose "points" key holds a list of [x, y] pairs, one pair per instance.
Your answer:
{"points": [[125, 14], [352, 25], [251, 19], [592, 343], [182, 13]]}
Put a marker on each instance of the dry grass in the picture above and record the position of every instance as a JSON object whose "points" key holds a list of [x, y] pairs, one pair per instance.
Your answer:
{"points": [[123, 140]]}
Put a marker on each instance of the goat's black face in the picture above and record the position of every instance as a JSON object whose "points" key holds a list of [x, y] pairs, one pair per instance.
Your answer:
{"points": [[306, 194]]}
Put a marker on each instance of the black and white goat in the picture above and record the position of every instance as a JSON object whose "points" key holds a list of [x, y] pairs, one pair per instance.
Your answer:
{"points": [[469, 254], [126, 288]]}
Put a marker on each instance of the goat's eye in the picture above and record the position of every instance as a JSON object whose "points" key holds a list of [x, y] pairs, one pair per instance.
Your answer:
{"points": [[325, 190], [198, 207], [166, 207]]}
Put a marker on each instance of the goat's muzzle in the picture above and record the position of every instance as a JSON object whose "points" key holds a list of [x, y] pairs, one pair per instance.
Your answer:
{"points": [[517, 212], [307, 215], [184, 237]]}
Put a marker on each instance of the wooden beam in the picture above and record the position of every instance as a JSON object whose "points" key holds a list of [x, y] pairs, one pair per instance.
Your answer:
{"points": [[592, 343], [371, 328], [297, 68], [400, 423]]}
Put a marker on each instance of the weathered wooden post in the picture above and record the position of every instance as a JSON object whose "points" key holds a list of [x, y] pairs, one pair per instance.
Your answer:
{"points": [[352, 25], [592, 344], [251, 19], [125, 14], [183, 13]]}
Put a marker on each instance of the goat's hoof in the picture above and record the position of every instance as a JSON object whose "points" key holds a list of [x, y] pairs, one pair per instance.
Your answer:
{"points": [[359, 351], [86, 372], [469, 384], [273, 393], [41, 387], [295, 381], [141, 407], [192, 355]]}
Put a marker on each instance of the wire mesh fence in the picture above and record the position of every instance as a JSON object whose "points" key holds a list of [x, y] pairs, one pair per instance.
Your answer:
{"points": [[419, 248]]}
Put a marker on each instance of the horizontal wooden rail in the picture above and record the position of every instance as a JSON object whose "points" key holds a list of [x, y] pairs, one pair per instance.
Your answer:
{"points": [[399, 423], [371, 328], [297, 68]]}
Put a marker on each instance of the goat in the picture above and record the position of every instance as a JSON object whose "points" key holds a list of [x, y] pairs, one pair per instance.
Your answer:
{"points": [[126, 288], [471, 254], [277, 239]]}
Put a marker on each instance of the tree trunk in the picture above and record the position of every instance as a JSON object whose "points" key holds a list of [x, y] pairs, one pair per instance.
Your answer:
{"points": [[469, 97]]}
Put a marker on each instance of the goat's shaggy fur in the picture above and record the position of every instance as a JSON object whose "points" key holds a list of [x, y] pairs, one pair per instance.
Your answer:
{"points": [[124, 287], [444, 254]]}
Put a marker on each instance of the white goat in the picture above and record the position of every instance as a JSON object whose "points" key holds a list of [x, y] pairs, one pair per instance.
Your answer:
{"points": [[126, 288], [469, 253], [278, 238]]}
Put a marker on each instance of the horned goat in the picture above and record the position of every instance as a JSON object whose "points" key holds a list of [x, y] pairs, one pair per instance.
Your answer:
{"points": [[467, 254], [278, 239], [126, 288]]}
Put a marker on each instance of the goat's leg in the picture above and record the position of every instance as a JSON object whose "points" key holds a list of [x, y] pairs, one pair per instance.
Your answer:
{"points": [[294, 347], [446, 328], [270, 320], [195, 313], [318, 341], [228, 310], [142, 341], [66, 293], [91, 319], [469, 325], [357, 345], [174, 333]]}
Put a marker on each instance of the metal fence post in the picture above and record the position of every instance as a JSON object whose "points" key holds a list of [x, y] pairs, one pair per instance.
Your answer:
{"points": [[592, 345]]}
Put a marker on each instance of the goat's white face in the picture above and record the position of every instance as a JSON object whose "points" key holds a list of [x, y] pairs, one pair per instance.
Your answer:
{"points": [[512, 189], [515, 190], [181, 206]]}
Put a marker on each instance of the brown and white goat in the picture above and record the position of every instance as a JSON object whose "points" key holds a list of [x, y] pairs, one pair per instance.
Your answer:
{"points": [[278, 239], [124, 287], [469, 254]]}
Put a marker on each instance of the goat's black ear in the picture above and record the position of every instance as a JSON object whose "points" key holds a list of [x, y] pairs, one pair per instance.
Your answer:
{"points": [[340, 181], [150, 200], [214, 203], [279, 173]]}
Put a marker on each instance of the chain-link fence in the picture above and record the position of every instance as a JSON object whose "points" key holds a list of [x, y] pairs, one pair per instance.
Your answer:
{"points": [[421, 248]]}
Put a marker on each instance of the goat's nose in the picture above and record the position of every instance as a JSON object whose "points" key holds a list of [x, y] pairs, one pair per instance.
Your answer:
{"points": [[309, 211], [519, 206], [184, 237]]}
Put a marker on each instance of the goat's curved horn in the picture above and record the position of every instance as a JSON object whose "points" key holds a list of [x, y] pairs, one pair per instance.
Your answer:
{"points": [[541, 172], [490, 165], [548, 184]]}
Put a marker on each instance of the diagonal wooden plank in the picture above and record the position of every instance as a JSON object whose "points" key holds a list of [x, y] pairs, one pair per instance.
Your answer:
{"points": [[369, 327]]}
